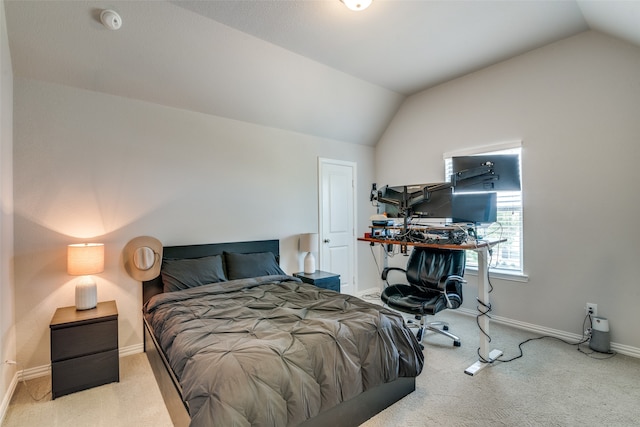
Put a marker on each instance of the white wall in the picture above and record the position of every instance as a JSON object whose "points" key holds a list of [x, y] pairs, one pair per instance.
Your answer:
{"points": [[96, 167], [7, 323], [575, 104]]}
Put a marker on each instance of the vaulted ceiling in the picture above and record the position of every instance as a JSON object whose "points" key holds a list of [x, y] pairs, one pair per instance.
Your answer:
{"points": [[309, 66]]}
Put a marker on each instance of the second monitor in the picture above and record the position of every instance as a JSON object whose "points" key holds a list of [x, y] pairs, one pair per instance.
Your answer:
{"points": [[476, 208]]}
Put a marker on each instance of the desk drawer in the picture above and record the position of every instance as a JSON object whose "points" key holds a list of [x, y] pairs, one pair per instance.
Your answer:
{"points": [[80, 340]]}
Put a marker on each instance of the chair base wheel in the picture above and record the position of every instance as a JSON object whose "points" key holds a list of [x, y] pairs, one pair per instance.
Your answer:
{"points": [[456, 343]]}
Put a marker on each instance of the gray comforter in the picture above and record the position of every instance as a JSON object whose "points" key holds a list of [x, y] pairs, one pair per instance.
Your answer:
{"points": [[273, 351]]}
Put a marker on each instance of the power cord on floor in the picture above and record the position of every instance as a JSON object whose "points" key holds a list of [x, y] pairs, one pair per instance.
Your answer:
{"points": [[584, 339], [24, 382], [484, 308], [373, 296]]}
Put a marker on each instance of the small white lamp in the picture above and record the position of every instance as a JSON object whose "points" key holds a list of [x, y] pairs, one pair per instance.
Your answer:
{"points": [[309, 244], [82, 260]]}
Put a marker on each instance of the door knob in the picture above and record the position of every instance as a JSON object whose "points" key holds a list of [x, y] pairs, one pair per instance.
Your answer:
{"points": [[327, 240]]}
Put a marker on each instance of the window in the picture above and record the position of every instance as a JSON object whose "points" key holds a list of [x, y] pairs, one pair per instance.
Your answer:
{"points": [[507, 256]]}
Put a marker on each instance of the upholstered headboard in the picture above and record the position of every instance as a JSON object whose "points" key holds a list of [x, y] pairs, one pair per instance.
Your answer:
{"points": [[155, 286]]}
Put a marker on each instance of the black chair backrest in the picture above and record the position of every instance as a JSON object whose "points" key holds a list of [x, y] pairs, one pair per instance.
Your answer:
{"points": [[426, 266]]}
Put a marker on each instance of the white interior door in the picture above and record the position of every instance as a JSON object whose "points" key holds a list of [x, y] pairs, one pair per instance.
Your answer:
{"points": [[337, 220]]}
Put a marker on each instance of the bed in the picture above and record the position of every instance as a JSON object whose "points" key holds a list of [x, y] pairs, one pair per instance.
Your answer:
{"points": [[232, 340]]}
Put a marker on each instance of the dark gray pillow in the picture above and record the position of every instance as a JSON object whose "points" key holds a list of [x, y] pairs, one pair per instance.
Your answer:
{"points": [[241, 266], [188, 273]]}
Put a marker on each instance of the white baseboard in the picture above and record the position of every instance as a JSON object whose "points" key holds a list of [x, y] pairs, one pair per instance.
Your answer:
{"points": [[41, 371], [529, 327], [7, 397], [36, 372], [131, 350]]}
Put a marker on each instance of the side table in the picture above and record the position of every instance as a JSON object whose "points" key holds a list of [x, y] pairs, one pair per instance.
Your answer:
{"points": [[84, 348], [321, 279]]}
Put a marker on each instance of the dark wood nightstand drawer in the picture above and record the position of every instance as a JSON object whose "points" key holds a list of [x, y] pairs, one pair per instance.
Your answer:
{"points": [[77, 341], [321, 279], [81, 373]]}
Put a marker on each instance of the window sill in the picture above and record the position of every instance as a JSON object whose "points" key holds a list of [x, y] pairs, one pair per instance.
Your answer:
{"points": [[500, 274]]}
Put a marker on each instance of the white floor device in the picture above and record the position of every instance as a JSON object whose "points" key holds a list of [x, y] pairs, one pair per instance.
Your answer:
{"points": [[600, 341]]}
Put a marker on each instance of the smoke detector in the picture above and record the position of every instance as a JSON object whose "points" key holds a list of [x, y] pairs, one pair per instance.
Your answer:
{"points": [[110, 19]]}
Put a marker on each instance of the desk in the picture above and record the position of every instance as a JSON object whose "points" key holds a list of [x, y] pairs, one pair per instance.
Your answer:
{"points": [[482, 249]]}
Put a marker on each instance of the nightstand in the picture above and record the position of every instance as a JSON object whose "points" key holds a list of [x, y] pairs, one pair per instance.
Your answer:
{"points": [[322, 279], [84, 348]]}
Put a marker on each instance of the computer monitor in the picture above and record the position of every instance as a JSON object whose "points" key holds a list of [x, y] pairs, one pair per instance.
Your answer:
{"points": [[389, 199], [476, 208], [489, 172], [392, 211], [438, 205], [403, 200]]}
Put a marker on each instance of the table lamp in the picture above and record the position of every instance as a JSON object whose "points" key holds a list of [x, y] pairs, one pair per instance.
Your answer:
{"points": [[309, 244], [82, 260]]}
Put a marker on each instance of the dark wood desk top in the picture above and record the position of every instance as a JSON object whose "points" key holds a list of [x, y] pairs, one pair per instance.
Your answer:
{"points": [[466, 246]]}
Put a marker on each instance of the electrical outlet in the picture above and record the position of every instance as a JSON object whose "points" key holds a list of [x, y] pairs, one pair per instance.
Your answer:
{"points": [[591, 309]]}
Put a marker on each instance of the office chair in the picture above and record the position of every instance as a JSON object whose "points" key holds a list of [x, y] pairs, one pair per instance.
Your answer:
{"points": [[435, 283]]}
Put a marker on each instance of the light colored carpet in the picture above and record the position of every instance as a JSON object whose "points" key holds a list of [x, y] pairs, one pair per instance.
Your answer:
{"points": [[134, 401], [552, 385]]}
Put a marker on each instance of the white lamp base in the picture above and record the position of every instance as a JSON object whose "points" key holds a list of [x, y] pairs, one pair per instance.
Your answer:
{"points": [[309, 263], [86, 293]]}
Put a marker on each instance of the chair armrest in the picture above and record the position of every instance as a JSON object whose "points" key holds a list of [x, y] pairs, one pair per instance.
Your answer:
{"points": [[386, 271], [454, 278], [446, 289], [446, 281]]}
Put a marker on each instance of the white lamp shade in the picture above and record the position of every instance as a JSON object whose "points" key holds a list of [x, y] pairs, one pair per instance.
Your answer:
{"points": [[85, 258], [309, 242]]}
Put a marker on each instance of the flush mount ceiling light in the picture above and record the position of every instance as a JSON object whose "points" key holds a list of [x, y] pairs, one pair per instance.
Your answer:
{"points": [[110, 19], [357, 4]]}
